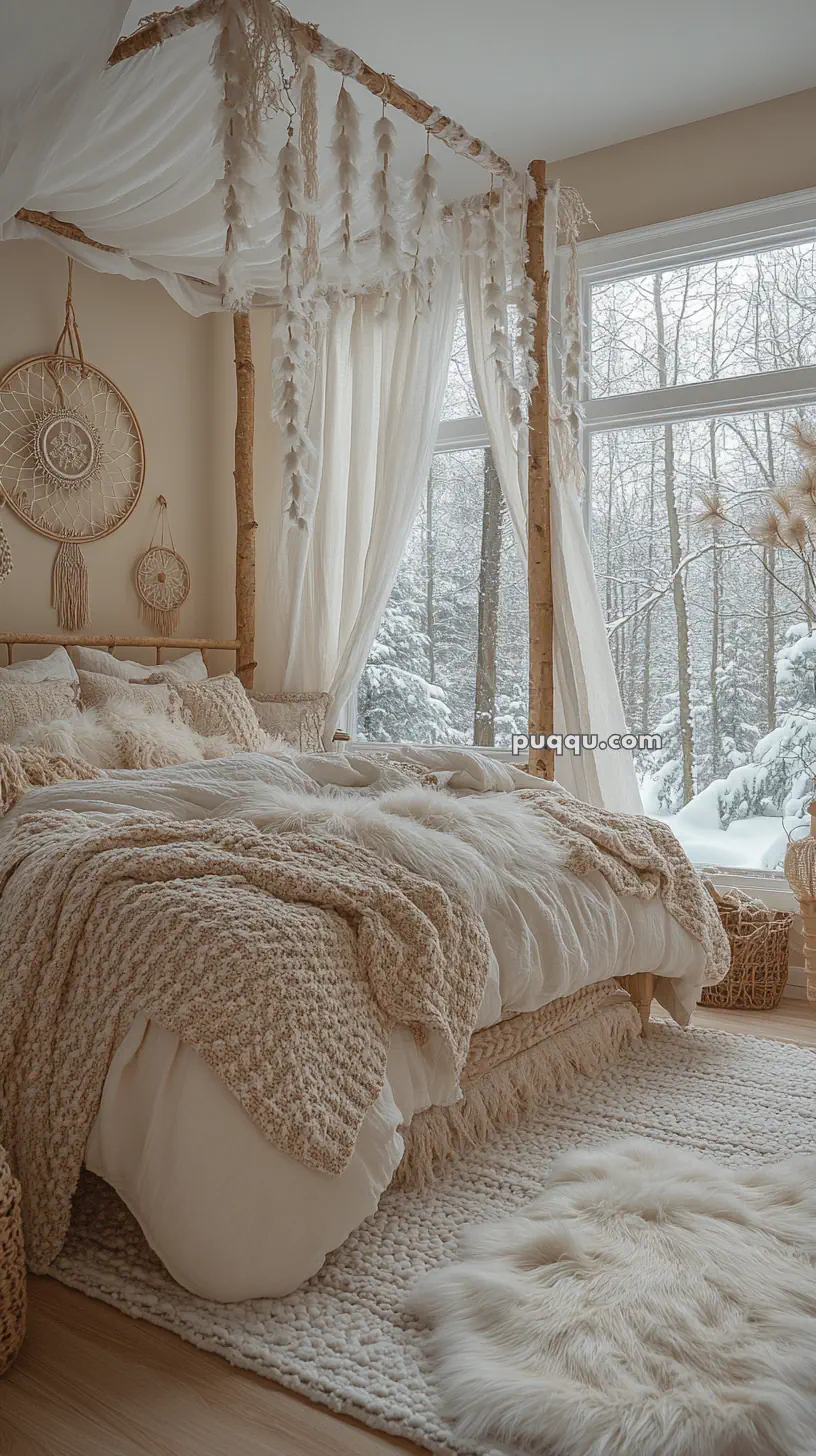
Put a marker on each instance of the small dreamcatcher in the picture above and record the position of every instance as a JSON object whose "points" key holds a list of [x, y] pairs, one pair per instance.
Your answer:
{"points": [[71, 458], [162, 579]]}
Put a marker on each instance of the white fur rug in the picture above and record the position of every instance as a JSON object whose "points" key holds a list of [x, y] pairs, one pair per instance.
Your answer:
{"points": [[348, 1340]]}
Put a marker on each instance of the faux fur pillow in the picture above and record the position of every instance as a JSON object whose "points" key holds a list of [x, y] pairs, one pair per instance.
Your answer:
{"points": [[99, 691], [220, 706], [126, 738], [27, 703], [300, 718], [56, 667], [191, 666]]}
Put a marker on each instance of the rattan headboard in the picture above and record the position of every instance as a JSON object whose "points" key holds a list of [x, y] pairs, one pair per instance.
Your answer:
{"points": [[159, 645]]}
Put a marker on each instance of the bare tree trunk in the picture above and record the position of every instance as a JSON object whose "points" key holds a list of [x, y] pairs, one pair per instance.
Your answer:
{"points": [[429, 578], [484, 715], [647, 636], [678, 585], [770, 597], [715, 615]]}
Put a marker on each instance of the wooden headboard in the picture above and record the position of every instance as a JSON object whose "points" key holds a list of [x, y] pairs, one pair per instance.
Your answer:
{"points": [[159, 645]]}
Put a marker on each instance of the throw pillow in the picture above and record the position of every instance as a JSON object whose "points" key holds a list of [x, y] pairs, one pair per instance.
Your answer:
{"points": [[221, 706], [99, 691], [299, 718], [26, 703], [191, 666], [56, 667]]}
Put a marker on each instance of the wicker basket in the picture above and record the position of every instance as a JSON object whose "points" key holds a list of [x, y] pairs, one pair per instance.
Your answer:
{"points": [[759, 954], [12, 1268]]}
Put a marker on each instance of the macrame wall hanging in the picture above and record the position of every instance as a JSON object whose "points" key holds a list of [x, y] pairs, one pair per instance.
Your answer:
{"points": [[71, 458], [162, 579]]}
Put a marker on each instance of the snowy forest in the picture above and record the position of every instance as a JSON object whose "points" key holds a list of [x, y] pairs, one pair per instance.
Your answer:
{"points": [[710, 616]]}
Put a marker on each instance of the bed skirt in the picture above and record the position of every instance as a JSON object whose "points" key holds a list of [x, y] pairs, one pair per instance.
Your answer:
{"points": [[514, 1067]]}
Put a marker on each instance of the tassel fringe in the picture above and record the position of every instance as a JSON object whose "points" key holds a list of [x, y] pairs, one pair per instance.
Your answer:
{"points": [[69, 587], [514, 1091]]}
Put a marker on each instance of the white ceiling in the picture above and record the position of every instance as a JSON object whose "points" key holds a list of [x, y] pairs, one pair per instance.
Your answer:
{"points": [[551, 78]]}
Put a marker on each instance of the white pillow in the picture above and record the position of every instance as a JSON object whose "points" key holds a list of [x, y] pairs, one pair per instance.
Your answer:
{"points": [[191, 667], [56, 667]]}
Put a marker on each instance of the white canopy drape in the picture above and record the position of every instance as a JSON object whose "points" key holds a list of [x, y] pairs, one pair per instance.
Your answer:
{"points": [[378, 396], [587, 698]]}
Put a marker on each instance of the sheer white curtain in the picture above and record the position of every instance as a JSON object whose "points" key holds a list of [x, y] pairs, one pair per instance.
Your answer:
{"points": [[587, 699], [378, 396]]}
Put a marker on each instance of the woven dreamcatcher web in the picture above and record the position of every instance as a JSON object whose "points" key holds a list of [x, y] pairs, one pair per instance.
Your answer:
{"points": [[71, 458], [162, 579]]}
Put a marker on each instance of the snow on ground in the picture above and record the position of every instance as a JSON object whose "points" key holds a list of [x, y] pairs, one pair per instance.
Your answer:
{"points": [[753, 844]]}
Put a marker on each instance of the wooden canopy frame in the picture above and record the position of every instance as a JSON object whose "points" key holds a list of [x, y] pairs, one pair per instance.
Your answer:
{"points": [[540, 586]]}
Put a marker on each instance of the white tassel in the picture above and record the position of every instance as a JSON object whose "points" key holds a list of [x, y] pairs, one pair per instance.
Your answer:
{"points": [[388, 227], [346, 149], [309, 146], [231, 66]]}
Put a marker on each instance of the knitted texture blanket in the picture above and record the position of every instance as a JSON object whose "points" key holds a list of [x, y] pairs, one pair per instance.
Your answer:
{"points": [[22, 769], [637, 856], [285, 960]]}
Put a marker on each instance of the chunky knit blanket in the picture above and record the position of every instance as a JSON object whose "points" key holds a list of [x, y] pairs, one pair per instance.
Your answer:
{"points": [[22, 769], [286, 960], [636, 856]]}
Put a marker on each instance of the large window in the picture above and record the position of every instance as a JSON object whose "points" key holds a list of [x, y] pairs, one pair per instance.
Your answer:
{"points": [[701, 346], [449, 662]]}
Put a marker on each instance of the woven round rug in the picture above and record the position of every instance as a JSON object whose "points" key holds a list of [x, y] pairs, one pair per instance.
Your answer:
{"points": [[345, 1340]]}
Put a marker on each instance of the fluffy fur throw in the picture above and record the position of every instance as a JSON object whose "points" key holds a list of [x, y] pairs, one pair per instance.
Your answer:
{"points": [[22, 769], [285, 960], [649, 1303]]}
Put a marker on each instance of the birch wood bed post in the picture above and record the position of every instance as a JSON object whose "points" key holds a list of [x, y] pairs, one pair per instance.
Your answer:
{"points": [[246, 525], [539, 553]]}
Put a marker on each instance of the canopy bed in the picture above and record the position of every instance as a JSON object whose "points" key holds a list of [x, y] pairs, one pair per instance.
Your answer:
{"points": [[373, 870]]}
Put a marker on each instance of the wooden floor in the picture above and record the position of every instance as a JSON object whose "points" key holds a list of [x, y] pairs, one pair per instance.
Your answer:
{"points": [[91, 1382]]}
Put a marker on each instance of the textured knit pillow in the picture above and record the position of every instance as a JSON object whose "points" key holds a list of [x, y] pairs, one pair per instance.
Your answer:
{"points": [[99, 691], [220, 706], [56, 667], [89, 659], [24, 704], [299, 718]]}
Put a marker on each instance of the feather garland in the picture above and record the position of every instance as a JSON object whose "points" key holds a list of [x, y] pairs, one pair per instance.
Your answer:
{"points": [[293, 377], [495, 308], [248, 58], [572, 215], [388, 226], [346, 149], [425, 228], [309, 146]]}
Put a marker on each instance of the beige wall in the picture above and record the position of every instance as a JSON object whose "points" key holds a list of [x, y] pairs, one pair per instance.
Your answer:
{"points": [[163, 361], [760, 151]]}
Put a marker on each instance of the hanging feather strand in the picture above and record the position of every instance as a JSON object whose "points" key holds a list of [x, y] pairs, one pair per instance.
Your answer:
{"points": [[426, 228], [309, 146], [248, 59], [495, 303], [388, 228], [293, 377], [345, 149]]}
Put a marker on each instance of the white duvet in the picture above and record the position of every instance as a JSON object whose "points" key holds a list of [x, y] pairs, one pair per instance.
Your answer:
{"points": [[230, 1216]]}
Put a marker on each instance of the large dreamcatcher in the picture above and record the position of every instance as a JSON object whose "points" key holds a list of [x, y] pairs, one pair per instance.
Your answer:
{"points": [[162, 579], [71, 458]]}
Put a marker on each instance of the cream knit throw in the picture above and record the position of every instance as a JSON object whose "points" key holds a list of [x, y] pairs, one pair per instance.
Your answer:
{"points": [[637, 856], [22, 769], [286, 960]]}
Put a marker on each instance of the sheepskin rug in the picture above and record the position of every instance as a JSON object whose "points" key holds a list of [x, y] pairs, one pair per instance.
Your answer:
{"points": [[648, 1302]]}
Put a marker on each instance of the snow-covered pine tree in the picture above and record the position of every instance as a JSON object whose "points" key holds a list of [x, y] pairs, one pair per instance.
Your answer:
{"points": [[395, 701]]}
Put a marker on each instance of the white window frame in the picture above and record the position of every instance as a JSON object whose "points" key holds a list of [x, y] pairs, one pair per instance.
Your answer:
{"points": [[748, 228]]}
